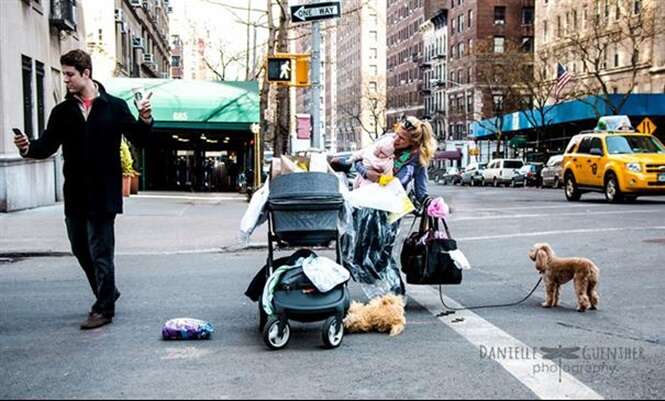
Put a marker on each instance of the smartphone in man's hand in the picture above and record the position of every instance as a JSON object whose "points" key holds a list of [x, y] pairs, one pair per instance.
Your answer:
{"points": [[17, 132]]}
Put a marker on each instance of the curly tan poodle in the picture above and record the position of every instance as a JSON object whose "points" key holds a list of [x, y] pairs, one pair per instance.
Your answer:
{"points": [[558, 271], [384, 314]]}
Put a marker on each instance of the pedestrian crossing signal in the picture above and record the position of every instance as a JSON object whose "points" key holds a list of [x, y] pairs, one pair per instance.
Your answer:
{"points": [[289, 69], [280, 69]]}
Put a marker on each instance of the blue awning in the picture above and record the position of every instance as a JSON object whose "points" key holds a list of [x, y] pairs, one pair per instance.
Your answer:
{"points": [[647, 105]]}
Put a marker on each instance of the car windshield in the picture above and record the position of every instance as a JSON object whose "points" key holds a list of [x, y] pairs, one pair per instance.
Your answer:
{"points": [[627, 144], [512, 164]]}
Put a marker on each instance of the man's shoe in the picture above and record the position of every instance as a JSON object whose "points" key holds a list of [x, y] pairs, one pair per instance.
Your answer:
{"points": [[95, 320]]}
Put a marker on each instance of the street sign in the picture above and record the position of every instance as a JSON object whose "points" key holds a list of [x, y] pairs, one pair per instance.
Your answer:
{"points": [[647, 126], [316, 11]]}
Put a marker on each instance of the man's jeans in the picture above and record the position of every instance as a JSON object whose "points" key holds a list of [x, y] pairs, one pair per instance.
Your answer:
{"points": [[93, 243]]}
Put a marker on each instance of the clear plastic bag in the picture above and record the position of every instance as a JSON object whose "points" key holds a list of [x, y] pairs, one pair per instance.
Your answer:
{"points": [[368, 253], [256, 214], [325, 273]]}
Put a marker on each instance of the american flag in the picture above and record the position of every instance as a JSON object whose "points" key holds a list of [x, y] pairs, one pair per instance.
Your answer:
{"points": [[562, 78]]}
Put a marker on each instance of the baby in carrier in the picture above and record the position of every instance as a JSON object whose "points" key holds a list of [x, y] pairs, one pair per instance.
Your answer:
{"points": [[379, 157]]}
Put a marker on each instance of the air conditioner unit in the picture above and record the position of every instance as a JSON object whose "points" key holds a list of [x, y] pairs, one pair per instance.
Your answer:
{"points": [[137, 42], [119, 15], [135, 3], [148, 58]]}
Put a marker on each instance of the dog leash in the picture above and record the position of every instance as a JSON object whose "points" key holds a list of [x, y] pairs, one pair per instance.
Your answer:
{"points": [[451, 311]]}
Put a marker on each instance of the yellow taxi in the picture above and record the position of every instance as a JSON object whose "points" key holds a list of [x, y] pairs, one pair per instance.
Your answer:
{"points": [[621, 163]]}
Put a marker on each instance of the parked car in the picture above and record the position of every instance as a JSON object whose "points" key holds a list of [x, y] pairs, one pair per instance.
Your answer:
{"points": [[453, 176], [501, 171], [473, 174], [436, 173], [552, 172], [528, 176]]}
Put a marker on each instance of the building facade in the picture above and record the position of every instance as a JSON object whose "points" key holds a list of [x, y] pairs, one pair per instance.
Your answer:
{"points": [[128, 38], [563, 24], [404, 78], [34, 36], [480, 26], [361, 74], [435, 71]]}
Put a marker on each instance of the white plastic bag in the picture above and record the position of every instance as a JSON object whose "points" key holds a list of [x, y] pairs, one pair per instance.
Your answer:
{"points": [[461, 262], [255, 215], [390, 198], [324, 273]]}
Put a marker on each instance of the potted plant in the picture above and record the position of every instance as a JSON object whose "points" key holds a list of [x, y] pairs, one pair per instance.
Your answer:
{"points": [[127, 162]]}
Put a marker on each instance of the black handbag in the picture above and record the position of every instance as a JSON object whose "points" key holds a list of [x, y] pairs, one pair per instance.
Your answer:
{"points": [[430, 263]]}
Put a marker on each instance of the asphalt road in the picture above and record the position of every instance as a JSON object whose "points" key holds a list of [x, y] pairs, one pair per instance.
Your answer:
{"points": [[44, 355]]}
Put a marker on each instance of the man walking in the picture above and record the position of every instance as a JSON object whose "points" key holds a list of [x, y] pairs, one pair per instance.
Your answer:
{"points": [[89, 126]]}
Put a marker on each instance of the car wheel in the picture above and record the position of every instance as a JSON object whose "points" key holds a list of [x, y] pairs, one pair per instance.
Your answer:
{"points": [[572, 193], [612, 190]]}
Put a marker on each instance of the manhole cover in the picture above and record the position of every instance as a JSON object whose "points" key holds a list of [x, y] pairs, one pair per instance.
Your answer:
{"points": [[660, 241]]}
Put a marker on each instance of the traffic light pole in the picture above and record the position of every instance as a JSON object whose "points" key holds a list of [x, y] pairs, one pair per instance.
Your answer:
{"points": [[315, 111]]}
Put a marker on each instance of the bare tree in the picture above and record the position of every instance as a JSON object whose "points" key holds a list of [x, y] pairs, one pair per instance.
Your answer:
{"points": [[499, 74], [615, 27], [369, 110], [220, 68]]}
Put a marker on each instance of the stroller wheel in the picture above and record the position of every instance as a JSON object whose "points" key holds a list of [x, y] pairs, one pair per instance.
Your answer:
{"points": [[271, 334], [332, 332]]}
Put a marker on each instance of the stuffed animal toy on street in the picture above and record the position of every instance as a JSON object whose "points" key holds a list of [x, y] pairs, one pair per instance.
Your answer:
{"points": [[384, 314]]}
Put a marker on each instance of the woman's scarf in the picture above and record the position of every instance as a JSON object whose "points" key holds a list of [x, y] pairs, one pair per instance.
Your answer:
{"points": [[402, 159]]}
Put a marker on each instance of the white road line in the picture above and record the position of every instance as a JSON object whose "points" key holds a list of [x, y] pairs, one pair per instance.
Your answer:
{"points": [[522, 216], [203, 198], [529, 207], [560, 232], [555, 384]]}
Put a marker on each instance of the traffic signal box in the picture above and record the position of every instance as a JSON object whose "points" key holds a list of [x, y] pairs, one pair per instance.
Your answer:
{"points": [[289, 69]]}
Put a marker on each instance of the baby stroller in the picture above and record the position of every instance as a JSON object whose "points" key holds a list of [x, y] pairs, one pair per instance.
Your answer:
{"points": [[303, 210]]}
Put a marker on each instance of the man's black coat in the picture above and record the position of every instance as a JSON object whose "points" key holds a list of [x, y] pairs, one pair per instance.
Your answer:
{"points": [[91, 151]]}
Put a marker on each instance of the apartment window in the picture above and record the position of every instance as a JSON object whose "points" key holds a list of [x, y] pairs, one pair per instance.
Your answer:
{"points": [[500, 15], [527, 15], [558, 26], [498, 102], [374, 36], [574, 20], [545, 33], [499, 44], [527, 44], [461, 51], [616, 57], [460, 23], [454, 26], [39, 69], [373, 87], [373, 53], [470, 22], [373, 70], [637, 6], [469, 103], [26, 63], [469, 74]]}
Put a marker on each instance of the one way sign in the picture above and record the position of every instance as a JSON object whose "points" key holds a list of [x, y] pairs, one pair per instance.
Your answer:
{"points": [[316, 11]]}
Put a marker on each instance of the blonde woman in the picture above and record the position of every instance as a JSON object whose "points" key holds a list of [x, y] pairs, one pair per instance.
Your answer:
{"points": [[369, 250]]}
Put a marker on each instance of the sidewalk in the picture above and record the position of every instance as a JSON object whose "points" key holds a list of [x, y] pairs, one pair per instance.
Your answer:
{"points": [[153, 222]]}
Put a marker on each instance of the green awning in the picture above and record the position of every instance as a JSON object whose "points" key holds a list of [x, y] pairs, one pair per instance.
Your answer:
{"points": [[518, 141], [201, 105]]}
